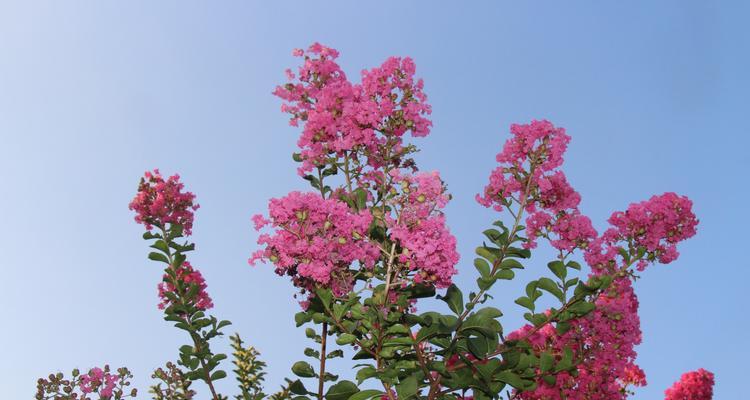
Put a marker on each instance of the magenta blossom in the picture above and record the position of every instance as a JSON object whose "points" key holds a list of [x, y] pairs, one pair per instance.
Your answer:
{"points": [[695, 385], [186, 277], [315, 240], [160, 202]]}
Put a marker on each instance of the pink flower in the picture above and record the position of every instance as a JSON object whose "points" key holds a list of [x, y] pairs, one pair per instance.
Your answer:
{"points": [[186, 278], [695, 385], [315, 240], [341, 117], [98, 380], [605, 340], [655, 225], [533, 150], [429, 248], [161, 202]]}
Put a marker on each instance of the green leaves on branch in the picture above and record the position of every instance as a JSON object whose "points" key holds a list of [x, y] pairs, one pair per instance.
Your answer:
{"points": [[303, 370]]}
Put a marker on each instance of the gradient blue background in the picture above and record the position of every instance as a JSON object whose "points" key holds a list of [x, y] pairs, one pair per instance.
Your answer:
{"points": [[94, 93]]}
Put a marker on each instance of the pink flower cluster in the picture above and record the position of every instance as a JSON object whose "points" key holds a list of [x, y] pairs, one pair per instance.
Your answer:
{"points": [[340, 116], [160, 202], [533, 150], [429, 249], [315, 240], [186, 277], [604, 340], [99, 380], [527, 175], [656, 225], [695, 385]]}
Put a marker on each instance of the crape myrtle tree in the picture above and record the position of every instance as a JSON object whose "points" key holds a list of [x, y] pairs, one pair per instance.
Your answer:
{"points": [[369, 240]]}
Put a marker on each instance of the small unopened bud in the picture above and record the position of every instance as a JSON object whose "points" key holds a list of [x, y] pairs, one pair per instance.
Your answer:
{"points": [[301, 215], [327, 225]]}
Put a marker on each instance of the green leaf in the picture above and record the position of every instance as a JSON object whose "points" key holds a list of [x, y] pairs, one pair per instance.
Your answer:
{"points": [[303, 369], [566, 362], [482, 266], [366, 394], [302, 317], [510, 378], [486, 283], [366, 373], [158, 257], [478, 346], [361, 198], [582, 308], [407, 388], [346, 338], [510, 263], [160, 245], [223, 324], [335, 354], [297, 387], [574, 265], [524, 301], [545, 361], [506, 274], [341, 391], [558, 268], [550, 286], [325, 296], [516, 252], [454, 298], [419, 291], [310, 333], [149, 235], [495, 236], [487, 252], [218, 375]]}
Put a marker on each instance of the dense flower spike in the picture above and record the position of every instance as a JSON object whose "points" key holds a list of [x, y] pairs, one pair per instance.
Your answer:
{"points": [[340, 116], [160, 202], [315, 240], [655, 225], [429, 249], [534, 149], [527, 175], [695, 385], [187, 284]]}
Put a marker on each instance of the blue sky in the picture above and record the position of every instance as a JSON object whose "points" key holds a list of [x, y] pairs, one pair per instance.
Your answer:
{"points": [[654, 95]]}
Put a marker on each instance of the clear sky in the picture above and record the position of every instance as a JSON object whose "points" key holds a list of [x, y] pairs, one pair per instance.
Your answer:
{"points": [[94, 93]]}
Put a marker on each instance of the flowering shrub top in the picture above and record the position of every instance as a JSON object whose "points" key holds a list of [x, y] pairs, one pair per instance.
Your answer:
{"points": [[160, 202], [371, 239], [694, 385]]}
